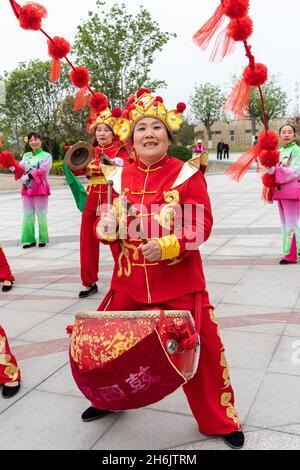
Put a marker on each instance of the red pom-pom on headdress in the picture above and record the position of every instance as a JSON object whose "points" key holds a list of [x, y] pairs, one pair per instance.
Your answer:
{"points": [[31, 16], [235, 8], [98, 102], [181, 107], [241, 29], [269, 158], [116, 113], [142, 91], [159, 99], [58, 48]]}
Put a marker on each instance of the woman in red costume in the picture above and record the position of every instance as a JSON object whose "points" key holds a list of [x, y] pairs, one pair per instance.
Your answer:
{"points": [[166, 272], [5, 273], [105, 142]]}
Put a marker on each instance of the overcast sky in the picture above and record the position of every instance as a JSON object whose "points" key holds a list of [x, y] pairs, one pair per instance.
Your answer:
{"points": [[275, 40]]}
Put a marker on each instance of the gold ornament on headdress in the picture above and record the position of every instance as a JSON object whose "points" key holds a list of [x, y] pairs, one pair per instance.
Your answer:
{"points": [[145, 104]]}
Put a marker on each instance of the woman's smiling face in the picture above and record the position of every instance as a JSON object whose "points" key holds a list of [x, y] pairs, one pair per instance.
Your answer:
{"points": [[150, 139]]}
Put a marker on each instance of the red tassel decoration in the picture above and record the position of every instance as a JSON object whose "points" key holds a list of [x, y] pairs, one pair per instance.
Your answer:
{"points": [[203, 37], [269, 158], [235, 8], [7, 160], [58, 48], [31, 15], [269, 181], [239, 99], [224, 46], [98, 102], [241, 29], [238, 169], [81, 98]]}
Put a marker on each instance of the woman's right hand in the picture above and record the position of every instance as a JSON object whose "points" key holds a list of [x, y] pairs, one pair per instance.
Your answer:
{"points": [[109, 222]]}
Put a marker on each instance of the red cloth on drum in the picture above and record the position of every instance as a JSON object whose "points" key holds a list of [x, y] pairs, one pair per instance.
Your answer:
{"points": [[9, 370], [138, 378], [5, 272], [209, 392], [97, 195]]}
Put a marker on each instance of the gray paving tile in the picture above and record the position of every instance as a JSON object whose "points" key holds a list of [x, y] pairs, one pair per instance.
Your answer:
{"points": [[286, 360], [17, 322], [148, 429], [53, 328], [36, 370], [262, 295], [277, 402], [48, 421], [249, 350]]}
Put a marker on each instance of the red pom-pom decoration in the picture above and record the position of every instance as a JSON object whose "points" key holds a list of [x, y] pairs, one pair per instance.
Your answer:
{"points": [[269, 158], [256, 76], [269, 181], [58, 48], [98, 102], [7, 159], [235, 8], [240, 30], [142, 91], [116, 113], [181, 107], [159, 99], [31, 15], [268, 140], [80, 77]]}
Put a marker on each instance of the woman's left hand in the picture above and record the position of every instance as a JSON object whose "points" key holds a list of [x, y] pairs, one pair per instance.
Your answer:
{"points": [[151, 251]]}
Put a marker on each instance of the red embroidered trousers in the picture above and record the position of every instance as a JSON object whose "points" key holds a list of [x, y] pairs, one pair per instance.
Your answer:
{"points": [[5, 272], [209, 392], [9, 370]]}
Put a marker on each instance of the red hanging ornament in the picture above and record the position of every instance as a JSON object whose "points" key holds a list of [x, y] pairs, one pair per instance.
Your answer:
{"points": [[31, 15], [224, 46], [58, 48], [98, 102], [239, 99], [7, 160], [269, 181], [240, 29], [268, 140], [80, 78], [269, 158], [204, 35], [235, 8]]}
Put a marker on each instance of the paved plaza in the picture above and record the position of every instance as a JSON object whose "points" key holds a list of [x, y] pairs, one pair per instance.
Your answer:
{"points": [[257, 306]]}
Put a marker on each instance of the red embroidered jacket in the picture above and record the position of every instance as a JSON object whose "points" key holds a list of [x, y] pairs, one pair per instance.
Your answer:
{"points": [[171, 204]]}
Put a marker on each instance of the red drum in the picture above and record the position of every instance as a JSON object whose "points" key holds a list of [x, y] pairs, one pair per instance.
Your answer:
{"points": [[124, 360]]}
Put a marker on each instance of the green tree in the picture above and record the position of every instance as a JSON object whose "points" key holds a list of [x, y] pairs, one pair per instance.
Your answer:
{"points": [[186, 135], [118, 49], [207, 105], [32, 103]]}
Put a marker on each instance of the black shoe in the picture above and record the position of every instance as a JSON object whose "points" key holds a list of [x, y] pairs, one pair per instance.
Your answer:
{"points": [[41, 245], [86, 293], [9, 392], [235, 439], [285, 261], [7, 288], [29, 245], [91, 414]]}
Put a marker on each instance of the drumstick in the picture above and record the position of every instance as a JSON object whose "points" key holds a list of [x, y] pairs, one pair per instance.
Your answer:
{"points": [[109, 192]]}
